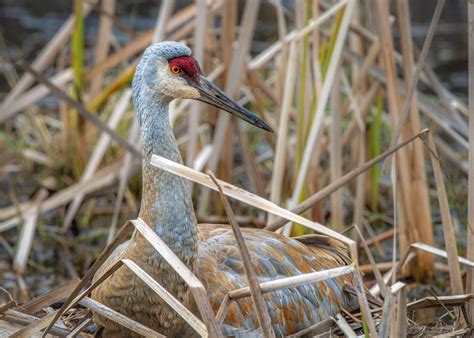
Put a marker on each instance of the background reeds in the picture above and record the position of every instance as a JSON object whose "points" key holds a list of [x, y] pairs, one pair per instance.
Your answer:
{"points": [[348, 85]]}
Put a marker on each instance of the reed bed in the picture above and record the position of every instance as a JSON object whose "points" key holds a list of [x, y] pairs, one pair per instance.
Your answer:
{"points": [[361, 153]]}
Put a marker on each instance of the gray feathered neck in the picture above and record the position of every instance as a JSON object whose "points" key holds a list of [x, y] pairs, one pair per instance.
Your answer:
{"points": [[166, 202]]}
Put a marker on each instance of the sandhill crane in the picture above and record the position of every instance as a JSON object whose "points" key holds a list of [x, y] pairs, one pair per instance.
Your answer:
{"points": [[168, 71]]}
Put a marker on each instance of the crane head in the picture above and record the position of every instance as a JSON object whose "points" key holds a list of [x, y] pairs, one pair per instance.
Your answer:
{"points": [[169, 70]]}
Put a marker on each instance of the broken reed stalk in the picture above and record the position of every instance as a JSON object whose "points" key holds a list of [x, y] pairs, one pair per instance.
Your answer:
{"points": [[387, 316], [33, 327], [280, 284], [402, 234], [427, 302], [195, 285], [470, 203], [405, 258], [175, 304], [121, 234], [395, 270], [14, 316], [293, 281], [51, 297], [279, 163], [402, 318], [335, 145], [363, 303], [36, 324], [450, 313], [80, 108], [74, 136], [396, 289], [344, 326], [28, 231], [249, 198], [223, 309], [326, 191], [455, 276], [376, 271], [441, 253], [168, 298], [84, 322], [259, 303], [319, 329], [119, 318]]}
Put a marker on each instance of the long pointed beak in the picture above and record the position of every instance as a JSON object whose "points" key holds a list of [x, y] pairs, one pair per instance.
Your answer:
{"points": [[212, 95]]}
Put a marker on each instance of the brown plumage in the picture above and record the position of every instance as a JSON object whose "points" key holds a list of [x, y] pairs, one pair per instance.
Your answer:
{"points": [[220, 268], [209, 250]]}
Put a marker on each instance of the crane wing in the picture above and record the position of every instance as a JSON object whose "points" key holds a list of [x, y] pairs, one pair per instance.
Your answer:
{"points": [[274, 256]]}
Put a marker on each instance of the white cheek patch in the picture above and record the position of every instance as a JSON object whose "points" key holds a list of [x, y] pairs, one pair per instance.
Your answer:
{"points": [[189, 92], [173, 86]]}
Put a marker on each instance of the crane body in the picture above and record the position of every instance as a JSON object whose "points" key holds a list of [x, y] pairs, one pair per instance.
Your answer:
{"points": [[165, 72]]}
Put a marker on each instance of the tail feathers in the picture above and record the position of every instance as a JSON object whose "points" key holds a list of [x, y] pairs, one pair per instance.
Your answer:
{"points": [[317, 242]]}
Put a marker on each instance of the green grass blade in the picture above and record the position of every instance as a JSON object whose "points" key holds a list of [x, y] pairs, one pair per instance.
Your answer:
{"points": [[375, 140]]}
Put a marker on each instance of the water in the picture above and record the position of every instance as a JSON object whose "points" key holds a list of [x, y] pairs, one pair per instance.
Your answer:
{"points": [[449, 49]]}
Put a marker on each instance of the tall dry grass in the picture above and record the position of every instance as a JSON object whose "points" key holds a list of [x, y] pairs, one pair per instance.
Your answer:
{"points": [[343, 101]]}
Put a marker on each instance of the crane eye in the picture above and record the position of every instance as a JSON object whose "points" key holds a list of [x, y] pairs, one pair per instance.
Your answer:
{"points": [[176, 70]]}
